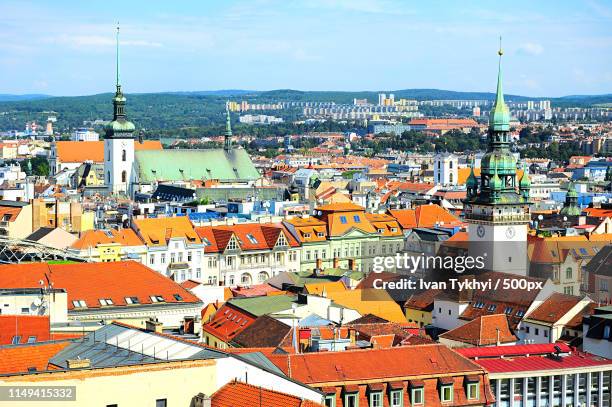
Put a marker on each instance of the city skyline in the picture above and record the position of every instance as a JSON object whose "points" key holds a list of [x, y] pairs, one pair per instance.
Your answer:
{"points": [[334, 45]]}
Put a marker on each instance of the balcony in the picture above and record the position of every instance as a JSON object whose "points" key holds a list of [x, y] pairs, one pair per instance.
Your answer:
{"points": [[512, 218]]}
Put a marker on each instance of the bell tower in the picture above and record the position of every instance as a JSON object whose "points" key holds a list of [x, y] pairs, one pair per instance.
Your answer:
{"points": [[497, 208], [119, 143]]}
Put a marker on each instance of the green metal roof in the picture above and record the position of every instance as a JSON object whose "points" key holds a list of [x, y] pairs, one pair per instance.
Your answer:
{"points": [[263, 305], [177, 165], [499, 119]]}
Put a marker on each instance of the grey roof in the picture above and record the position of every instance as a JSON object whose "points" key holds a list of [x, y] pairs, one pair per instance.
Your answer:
{"points": [[259, 359], [39, 234], [14, 204], [118, 345]]}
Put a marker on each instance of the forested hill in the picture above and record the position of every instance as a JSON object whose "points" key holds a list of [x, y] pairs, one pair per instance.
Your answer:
{"points": [[172, 110]]}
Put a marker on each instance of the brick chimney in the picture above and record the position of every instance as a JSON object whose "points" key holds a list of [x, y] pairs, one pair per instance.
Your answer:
{"points": [[153, 326]]}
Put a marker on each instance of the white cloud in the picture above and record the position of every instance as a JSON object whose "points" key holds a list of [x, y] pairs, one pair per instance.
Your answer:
{"points": [[530, 48]]}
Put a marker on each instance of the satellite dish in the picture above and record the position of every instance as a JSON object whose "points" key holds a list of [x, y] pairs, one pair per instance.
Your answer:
{"points": [[37, 302]]}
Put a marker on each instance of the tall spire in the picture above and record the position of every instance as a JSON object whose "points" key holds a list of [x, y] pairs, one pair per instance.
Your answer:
{"points": [[117, 55], [499, 119], [227, 145]]}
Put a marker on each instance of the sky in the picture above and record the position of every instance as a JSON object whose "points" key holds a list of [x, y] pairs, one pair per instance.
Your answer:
{"points": [[552, 48]]}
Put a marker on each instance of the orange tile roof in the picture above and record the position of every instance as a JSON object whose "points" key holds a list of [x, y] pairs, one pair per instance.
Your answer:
{"points": [[235, 394], [423, 216], [81, 151], [251, 236], [553, 308], [356, 365], [93, 238], [20, 358], [340, 207], [319, 288], [9, 213], [24, 326], [158, 231], [369, 301], [91, 282], [598, 212], [483, 331]]}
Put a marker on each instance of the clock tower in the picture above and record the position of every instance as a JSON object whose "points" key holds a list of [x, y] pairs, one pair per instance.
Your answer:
{"points": [[118, 143], [497, 208]]}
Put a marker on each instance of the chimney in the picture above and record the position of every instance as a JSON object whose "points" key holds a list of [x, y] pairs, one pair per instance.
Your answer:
{"points": [[78, 363], [319, 265], [153, 326], [336, 262], [201, 400]]}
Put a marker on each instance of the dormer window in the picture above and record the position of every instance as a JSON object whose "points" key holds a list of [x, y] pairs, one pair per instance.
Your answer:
{"points": [[132, 300], [252, 238], [491, 307], [105, 301], [307, 235], [320, 234], [157, 298], [472, 388], [232, 244]]}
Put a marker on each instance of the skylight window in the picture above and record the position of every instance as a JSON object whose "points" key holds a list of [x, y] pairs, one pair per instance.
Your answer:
{"points": [[356, 218], [132, 300], [520, 313], [157, 298], [206, 241], [508, 310], [79, 303], [252, 238], [479, 304], [491, 307], [178, 297], [105, 301]]}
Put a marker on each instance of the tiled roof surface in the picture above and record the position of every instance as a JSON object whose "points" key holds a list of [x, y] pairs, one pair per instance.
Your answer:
{"points": [[91, 282], [251, 236], [254, 290], [20, 358], [158, 231], [238, 394], [356, 365], [264, 332], [227, 322], [554, 308], [81, 151], [423, 216], [542, 363], [422, 301], [325, 286], [369, 301], [9, 214], [93, 238], [483, 331], [512, 350], [25, 326]]}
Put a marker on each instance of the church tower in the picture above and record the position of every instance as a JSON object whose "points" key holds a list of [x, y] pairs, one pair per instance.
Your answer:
{"points": [[118, 143], [497, 209]]}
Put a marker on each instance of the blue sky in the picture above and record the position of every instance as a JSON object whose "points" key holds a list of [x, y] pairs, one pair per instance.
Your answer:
{"points": [[553, 48]]}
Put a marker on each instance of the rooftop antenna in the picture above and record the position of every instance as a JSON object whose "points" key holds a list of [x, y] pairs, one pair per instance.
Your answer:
{"points": [[117, 55]]}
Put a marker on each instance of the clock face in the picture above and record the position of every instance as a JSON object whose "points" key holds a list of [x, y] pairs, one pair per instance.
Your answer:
{"points": [[480, 231], [510, 232]]}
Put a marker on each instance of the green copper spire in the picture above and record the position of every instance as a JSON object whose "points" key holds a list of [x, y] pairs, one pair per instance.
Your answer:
{"points": [[499, 119], [571, 207], [120, 127], [227, 145], [525, 182]]}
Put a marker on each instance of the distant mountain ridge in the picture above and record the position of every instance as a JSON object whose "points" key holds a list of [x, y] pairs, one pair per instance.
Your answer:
{"points": [[6, 97]]}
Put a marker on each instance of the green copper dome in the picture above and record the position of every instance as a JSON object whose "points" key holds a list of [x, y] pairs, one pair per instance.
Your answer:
{"points": [[571, 191], [471, 181], [525, 182], [499, 118], [502, 161]]}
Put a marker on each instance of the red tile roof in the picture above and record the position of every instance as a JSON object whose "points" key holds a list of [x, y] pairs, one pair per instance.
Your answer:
{"points": [[554, 308], [91, 282], [483, 331], [543, 363], [513, 350], [227, 322], [20, 358], [238, 394], [251, 236], [356, 365], [93, 238], [24, 326], [423, 216]]}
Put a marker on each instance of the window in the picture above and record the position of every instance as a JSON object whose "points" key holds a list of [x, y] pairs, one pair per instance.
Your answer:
{"points": [[232, 245], [25, 310], [123, 176], [606, 332], [343, 219], [330, 400], [32, 339], [16, 339], [520, 313], [527, 329], [508, 310], [568, 273], [491, 307], [123, 155], [79, 303], [479, 304], [132, 300], [252, 238], [178, 297], [583, 251], [351, 400], [105, 301], [189, 256], [376, 399], [161, 403], [157, 298], [198, 273], [396, 398], [356, 218], [152, 260], [537, 331], [472, 391], [545, 333], [417, 396], [446, 394]]}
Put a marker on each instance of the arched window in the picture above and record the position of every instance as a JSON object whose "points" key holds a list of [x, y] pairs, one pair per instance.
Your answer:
{"points": [[123, 176], [123, 155], [450, 177]]}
